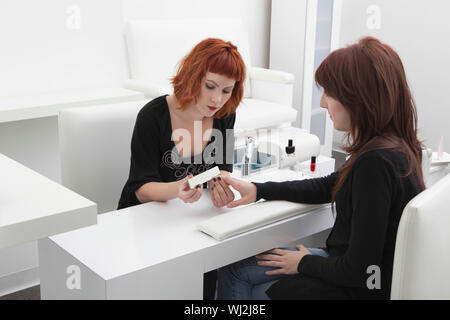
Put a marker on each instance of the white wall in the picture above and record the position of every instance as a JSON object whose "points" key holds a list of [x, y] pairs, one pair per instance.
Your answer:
{"points": [[419, 32], [43, 50], [52, 45]]}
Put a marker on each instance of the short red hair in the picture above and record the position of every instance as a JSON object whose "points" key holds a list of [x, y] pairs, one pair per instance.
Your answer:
{"points": [[210, 55]]}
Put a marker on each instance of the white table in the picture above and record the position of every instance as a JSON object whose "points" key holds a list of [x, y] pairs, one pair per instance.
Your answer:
{"points": [[33, 206], [154, 251]]}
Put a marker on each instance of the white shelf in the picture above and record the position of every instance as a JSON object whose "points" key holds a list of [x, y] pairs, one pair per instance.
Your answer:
{"points": [[33, 206], [30, 106]]}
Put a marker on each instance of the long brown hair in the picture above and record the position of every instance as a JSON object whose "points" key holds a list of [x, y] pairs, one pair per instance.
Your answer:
{"points": [[369, 80]]}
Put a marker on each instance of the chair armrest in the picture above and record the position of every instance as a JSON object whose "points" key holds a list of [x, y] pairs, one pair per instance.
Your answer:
{"points": [[269, 75], [272, 85]]}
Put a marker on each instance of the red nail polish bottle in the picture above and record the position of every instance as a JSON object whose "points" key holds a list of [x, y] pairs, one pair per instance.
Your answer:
{"points": [[313, 164]]}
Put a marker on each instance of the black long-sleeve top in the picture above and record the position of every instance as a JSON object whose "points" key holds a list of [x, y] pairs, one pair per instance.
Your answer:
{"points": [[368, 210], [154, 157]]}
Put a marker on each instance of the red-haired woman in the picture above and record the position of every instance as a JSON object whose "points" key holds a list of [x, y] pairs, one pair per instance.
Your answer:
{"points": [[184, 134], [367, 96]]}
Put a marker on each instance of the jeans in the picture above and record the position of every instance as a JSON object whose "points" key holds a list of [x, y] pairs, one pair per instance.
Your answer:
{"points": [[246, 280]]}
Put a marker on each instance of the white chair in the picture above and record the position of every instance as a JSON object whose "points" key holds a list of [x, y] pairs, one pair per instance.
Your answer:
{"points": [[422, 254], [95, 150], [156, 46]]}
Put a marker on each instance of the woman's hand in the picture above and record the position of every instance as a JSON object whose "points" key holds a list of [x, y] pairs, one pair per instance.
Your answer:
{"points": [[221, 194], [187, 194], [246, 189], [285, 260]]}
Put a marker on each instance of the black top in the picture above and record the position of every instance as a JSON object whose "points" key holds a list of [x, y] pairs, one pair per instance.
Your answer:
{"points": [[154, 157], [368, 210]]}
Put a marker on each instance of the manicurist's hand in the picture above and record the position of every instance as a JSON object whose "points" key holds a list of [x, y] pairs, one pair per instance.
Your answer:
{"points": [[285, 260], [187, 194], [246, 189], [221, 194]]}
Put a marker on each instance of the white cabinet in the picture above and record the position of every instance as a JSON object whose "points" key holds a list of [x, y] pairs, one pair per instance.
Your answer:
{"points": [[303, 33]]}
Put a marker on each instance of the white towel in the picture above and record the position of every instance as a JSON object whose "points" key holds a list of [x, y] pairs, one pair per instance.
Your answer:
{"points": [[246, 218]]}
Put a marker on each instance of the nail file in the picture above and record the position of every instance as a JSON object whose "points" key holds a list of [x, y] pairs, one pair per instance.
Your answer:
{"points": [[203, 177]]}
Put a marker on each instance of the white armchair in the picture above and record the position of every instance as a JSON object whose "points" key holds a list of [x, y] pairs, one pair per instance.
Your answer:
{"points": [[95, 153], [156, 46], [422, 255]]}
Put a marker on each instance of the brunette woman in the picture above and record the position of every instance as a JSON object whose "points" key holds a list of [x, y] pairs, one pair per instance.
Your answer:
{"points": [[367, 96]]}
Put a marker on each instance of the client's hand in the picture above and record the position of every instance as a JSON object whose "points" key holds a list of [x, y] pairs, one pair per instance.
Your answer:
{"points": [[285, 260], [187, 194], [221, 194], [246, 189]]}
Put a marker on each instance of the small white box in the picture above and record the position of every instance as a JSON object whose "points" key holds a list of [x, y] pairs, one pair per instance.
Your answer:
{"points": [[203, 177], [324, 166]]}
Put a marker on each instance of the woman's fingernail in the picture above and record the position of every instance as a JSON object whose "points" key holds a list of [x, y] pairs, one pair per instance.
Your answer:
{"points": [[214, 179], [197, 186], [219, 178]]}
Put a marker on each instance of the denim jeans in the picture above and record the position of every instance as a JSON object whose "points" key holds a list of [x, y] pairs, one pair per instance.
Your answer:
{"points": [[246, 280]]}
